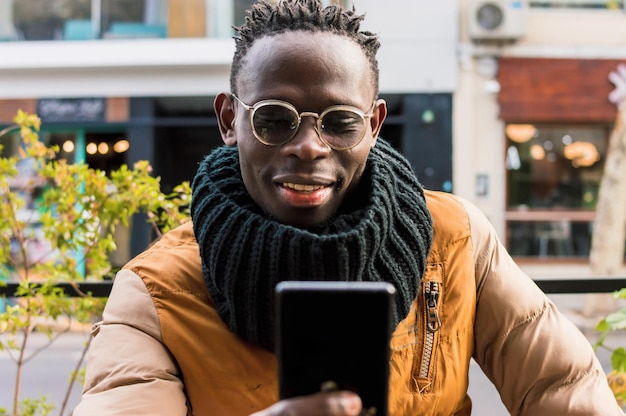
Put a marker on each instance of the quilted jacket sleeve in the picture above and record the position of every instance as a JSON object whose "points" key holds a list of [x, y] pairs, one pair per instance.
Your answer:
{"points": [[541, 364], [129, 371]]}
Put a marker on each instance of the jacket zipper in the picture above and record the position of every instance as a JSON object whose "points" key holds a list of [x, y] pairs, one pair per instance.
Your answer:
{"points": [[433, 324]]}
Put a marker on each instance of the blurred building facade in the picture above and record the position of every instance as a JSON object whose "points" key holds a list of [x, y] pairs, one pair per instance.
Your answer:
{"points": [[502, 102], [532, 121]]}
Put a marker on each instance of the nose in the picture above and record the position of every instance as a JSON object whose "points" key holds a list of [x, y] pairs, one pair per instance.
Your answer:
{"points": [[307, 143]]}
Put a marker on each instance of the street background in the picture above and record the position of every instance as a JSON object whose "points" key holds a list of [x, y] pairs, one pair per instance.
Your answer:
{"points": [[48, 372]]}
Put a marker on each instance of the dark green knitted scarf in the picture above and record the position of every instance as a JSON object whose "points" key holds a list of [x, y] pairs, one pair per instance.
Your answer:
{"points": [[245, 252]]}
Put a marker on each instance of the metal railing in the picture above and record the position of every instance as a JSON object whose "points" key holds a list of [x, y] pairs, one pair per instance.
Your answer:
{"points": [[99, 289], [593, 284]]}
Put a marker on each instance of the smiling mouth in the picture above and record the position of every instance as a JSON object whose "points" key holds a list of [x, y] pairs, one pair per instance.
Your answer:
{"points": [[300, 187]]}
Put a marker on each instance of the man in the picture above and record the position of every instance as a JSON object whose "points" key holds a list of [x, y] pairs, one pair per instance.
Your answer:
{"points": [[304, 189]]}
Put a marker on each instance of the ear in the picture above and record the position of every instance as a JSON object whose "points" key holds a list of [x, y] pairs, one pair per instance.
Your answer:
{"points": [[225, 112], [378, 117]]}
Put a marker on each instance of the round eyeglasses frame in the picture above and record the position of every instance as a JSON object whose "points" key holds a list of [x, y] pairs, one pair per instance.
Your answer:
{"points": [[318, 125]]}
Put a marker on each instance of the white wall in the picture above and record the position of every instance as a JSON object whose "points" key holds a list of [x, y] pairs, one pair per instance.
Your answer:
{"points": [[418, 43], [129, 67]]}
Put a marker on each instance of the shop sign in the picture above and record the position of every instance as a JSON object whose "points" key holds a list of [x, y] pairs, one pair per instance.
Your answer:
{"points": [[71, 109]]}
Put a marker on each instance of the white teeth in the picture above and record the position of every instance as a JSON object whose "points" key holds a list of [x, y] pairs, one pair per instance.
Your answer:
{"points": [[302, 187]]}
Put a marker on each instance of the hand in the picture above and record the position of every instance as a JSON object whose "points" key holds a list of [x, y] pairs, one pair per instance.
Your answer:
{"points": [[339, 403]]}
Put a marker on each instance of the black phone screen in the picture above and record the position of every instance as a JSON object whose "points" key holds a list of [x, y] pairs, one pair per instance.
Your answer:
{"points": [[335, 332]]}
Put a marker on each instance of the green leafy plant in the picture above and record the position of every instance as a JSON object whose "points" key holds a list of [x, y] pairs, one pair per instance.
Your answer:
{"points": [[615, 321], [74, 220]]}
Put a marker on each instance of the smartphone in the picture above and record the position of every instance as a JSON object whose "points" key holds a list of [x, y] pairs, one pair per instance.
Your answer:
{"points": [[335, 334]]}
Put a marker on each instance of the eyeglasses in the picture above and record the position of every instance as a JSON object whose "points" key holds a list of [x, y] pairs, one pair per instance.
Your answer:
{"points": [[275, 122]]}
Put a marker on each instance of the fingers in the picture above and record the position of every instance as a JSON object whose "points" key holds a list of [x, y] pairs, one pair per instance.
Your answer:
{"points": [[340, 403]]}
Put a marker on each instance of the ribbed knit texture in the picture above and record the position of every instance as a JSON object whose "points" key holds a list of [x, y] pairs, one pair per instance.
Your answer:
{"points": [[245, 252]]}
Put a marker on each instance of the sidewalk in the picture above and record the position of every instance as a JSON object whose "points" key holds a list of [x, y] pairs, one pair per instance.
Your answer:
{"points": [[586, 310]]}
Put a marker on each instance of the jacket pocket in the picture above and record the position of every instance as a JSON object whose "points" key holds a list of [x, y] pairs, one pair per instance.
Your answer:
{"points": [[429, 325]]}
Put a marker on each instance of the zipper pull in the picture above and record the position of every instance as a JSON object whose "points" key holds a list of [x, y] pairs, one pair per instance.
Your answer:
{"points": [[432, 298]]}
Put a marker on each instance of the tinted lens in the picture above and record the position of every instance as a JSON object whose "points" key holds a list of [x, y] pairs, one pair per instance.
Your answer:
{"points": [[342, 128], [274, 124]]}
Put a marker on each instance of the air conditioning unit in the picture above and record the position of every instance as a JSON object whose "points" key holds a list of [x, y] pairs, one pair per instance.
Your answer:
{"points": [[497, 19]]}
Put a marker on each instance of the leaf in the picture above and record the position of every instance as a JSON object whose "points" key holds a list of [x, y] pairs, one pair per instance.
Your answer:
{"points": [[618, 359], [620, 293], [616, 320], [602, 326]]}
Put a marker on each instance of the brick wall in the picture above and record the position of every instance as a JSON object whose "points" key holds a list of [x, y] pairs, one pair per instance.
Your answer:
{"points": [[556, 90], [9, 108]]}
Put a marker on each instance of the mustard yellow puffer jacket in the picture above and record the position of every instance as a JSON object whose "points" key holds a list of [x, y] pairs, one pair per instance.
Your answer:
{"points": [[161, 348]]}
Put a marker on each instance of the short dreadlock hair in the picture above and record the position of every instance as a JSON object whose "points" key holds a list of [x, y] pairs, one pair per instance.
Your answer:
{"points": [[266, 18]]}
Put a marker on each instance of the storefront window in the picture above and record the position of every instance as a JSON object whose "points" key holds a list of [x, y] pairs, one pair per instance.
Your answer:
{"points": [[43, 20], [553, 175], [83, 19], [25, 20], [556, 167]]}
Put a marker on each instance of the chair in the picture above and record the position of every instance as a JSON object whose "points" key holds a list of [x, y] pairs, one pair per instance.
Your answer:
{"points": [[136, 30], [557, 232], [78, 29]]}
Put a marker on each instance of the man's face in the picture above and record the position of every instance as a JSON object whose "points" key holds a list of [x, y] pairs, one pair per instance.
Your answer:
{"points": [[302, 182]]}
